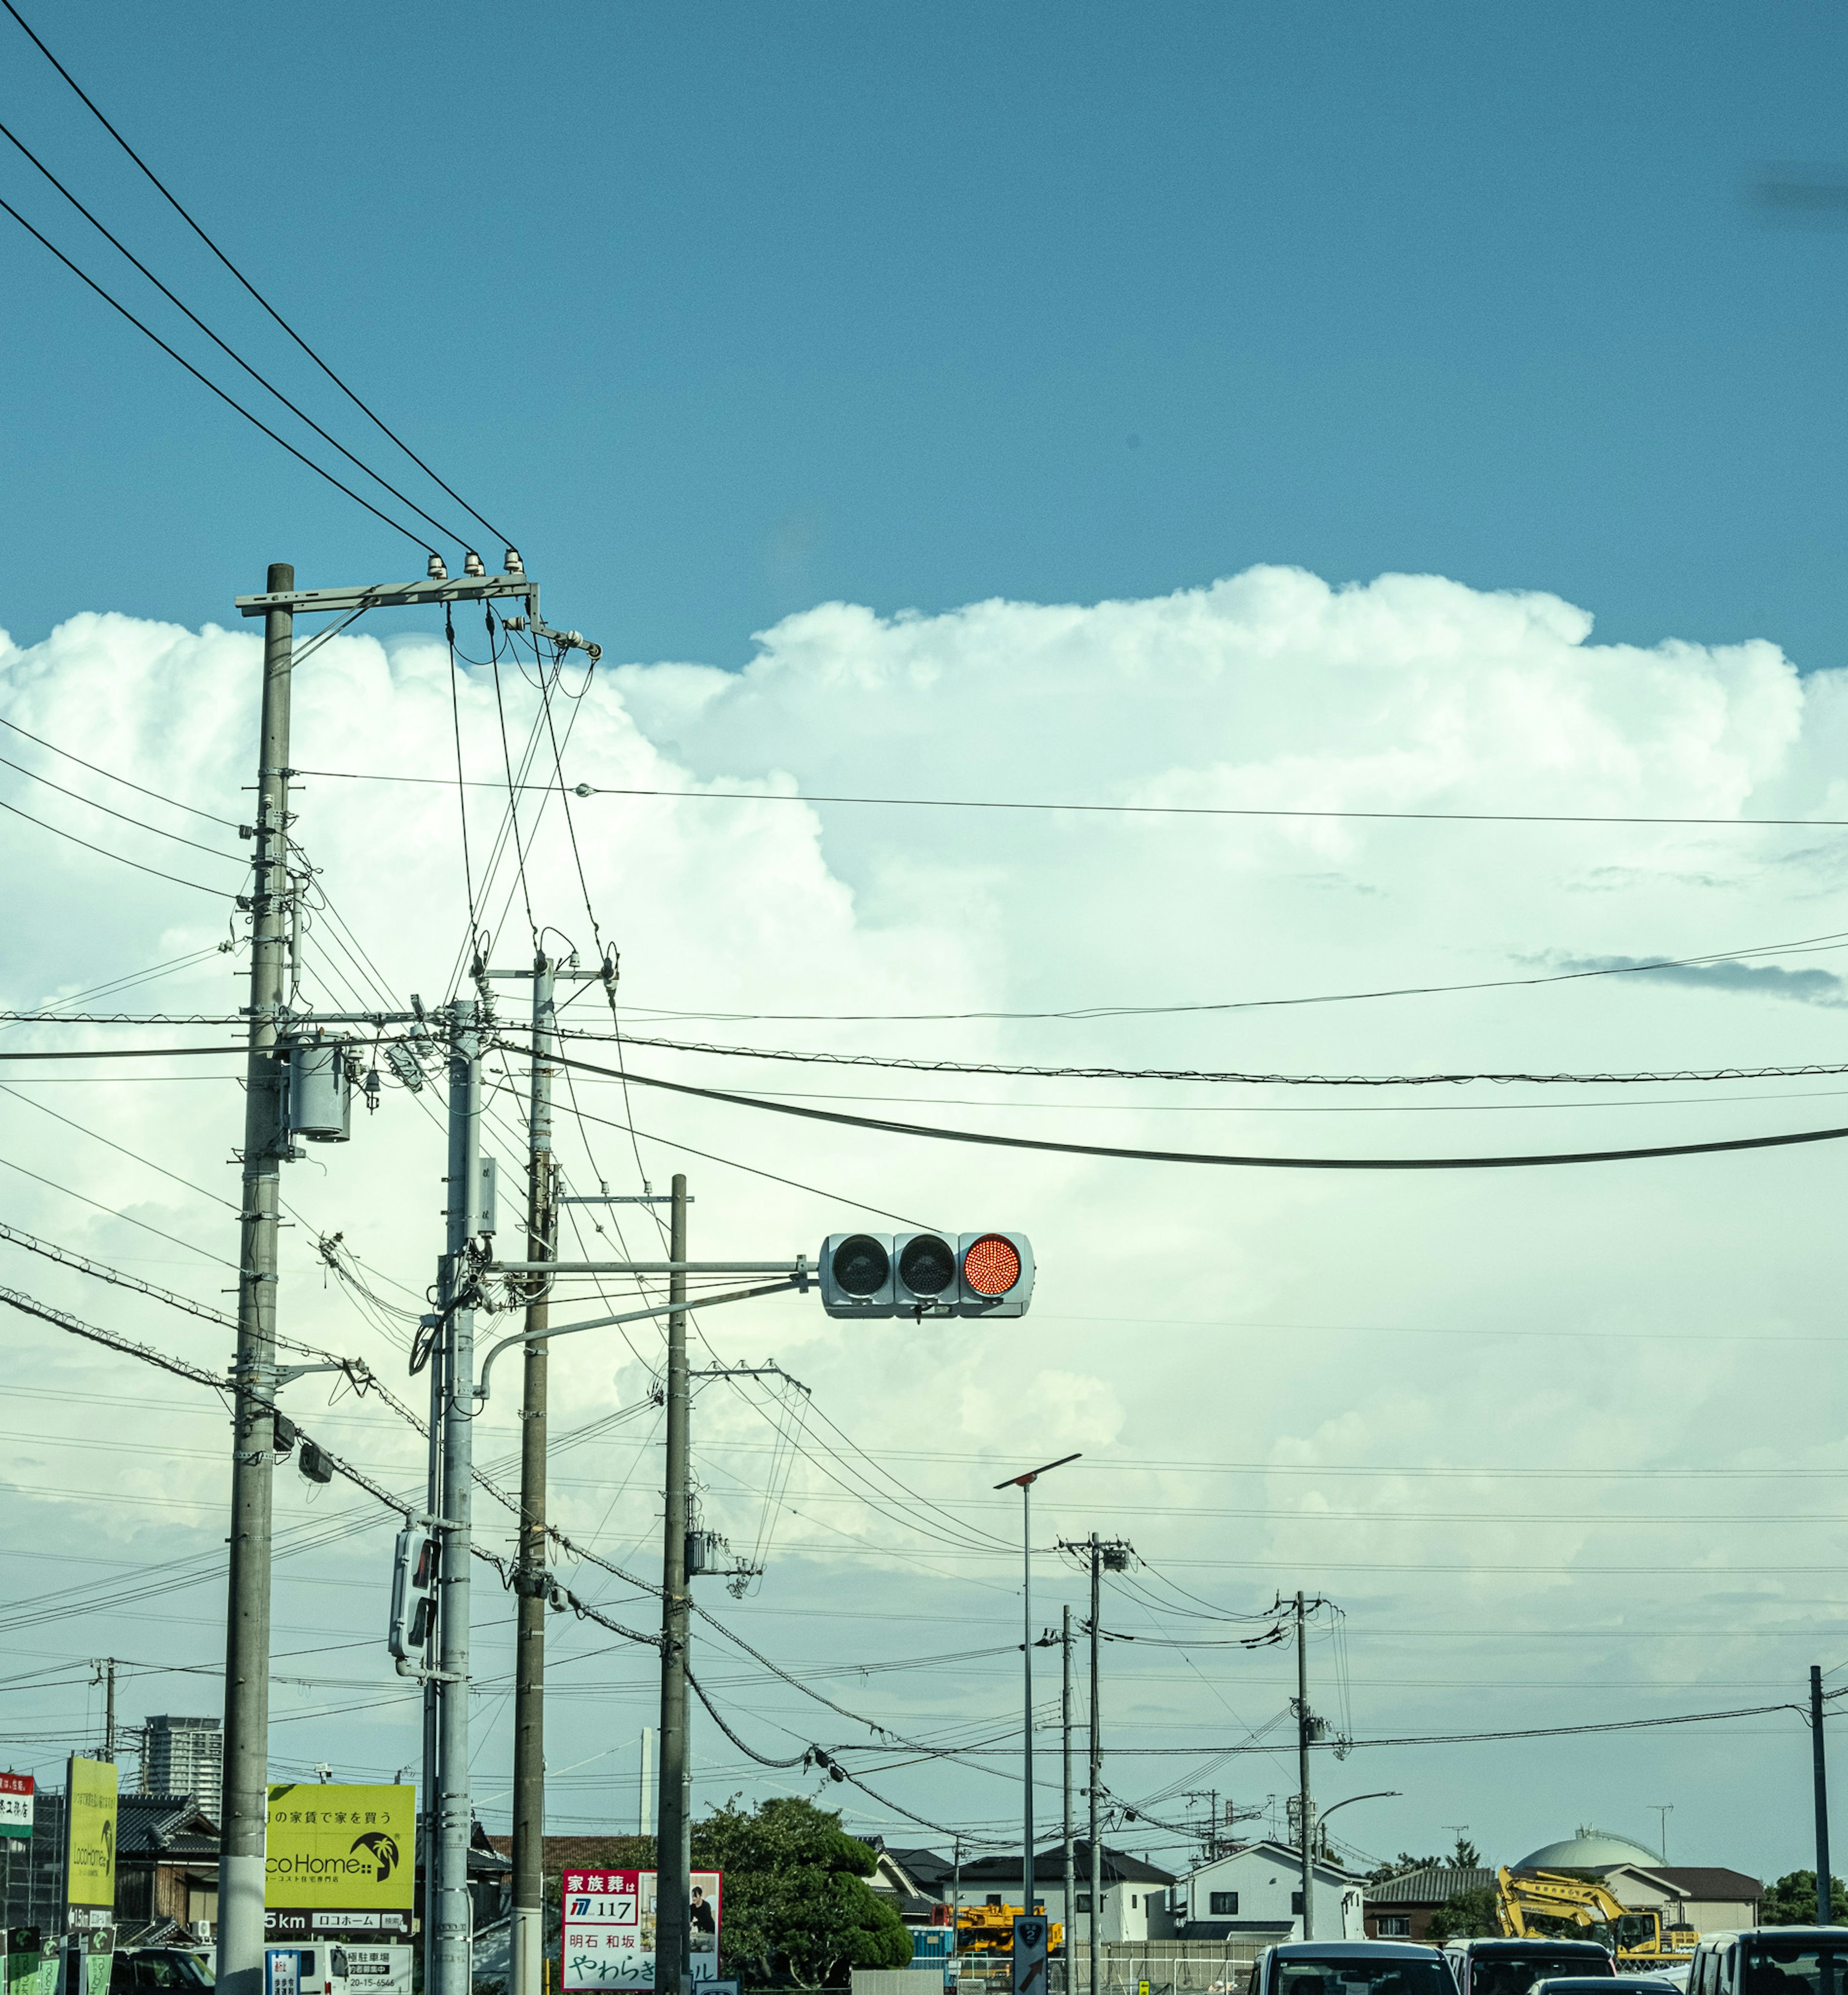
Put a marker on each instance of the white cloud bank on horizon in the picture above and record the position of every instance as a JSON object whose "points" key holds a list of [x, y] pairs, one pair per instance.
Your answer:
{"points": [[1183, 1317]]}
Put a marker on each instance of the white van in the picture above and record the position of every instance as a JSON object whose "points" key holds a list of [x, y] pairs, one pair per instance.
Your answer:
{"points": [[1771, 1960]]}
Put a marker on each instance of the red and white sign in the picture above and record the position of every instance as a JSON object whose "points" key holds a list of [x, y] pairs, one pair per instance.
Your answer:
{"points": [[609, 1929], [16, 1803]]}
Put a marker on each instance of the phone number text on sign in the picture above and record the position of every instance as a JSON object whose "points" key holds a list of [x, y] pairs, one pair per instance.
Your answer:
{"points": [[603, 1931]]}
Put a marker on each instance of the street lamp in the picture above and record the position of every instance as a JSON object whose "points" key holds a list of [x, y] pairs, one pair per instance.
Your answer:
{"points": [[1025, 1485]]}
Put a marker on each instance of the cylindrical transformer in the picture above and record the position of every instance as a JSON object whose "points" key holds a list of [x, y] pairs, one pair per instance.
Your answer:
{"points": [[321, 1098]]}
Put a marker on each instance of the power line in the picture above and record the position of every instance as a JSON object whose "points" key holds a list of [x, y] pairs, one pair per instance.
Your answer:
{"points": [[236, 358], [141, 326], [217, 893], [97, 769], [173, 202], [899, 1063], [1139, 810], [880, 1126], [1084, 1013]]}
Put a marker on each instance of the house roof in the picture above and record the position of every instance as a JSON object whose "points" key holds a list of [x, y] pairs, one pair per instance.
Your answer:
{"points": [[1048, 1868], [1268, 1849], [1700, 1880], [1432, 1885], [157, 1826], [923, 1868]]}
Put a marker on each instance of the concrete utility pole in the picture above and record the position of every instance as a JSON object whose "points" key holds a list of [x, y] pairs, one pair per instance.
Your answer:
{"points": [[1065, 1722], [1302, 1803], [673, 1885], [1825, 1877], [529, 1661], [446, 1892], [106, 1675], [1025, 1485], [246, 1772], [1114, 1556]]}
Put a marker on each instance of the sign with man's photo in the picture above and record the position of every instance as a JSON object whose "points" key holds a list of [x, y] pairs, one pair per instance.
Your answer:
{"points": [[609, 1929]]}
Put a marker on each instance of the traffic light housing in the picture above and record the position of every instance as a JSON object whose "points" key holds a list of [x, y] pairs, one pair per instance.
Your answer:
{"points": [[413, 1594], [988, 1274]]}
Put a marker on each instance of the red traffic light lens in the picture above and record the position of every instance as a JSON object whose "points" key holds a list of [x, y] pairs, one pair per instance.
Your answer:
{"points": [[992, 1265]]}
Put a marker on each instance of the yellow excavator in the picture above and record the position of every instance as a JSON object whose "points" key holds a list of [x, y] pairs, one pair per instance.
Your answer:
{"points": [[1553, 1904], [990, 1929]]}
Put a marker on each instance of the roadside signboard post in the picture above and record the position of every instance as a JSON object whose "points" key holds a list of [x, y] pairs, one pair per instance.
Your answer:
{"points": [[1029, 1956], [609, 1929], [89, 1870], [340, 1869], [24, 1962]]}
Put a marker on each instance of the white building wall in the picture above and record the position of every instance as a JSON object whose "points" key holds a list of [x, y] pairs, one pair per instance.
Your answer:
{"points": [[1266, 1877]]}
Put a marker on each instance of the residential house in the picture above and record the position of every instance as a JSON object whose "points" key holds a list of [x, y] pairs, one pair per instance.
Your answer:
{"points": [[1133, 1904], [166, 1868], [1257, 1889], [1401, 1908], [1707, 1897], [918, 1883]]}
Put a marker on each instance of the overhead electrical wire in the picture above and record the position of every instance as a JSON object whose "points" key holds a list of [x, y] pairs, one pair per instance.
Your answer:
{"points": [[96, 769], [205, 380], [880, 1126], [197, 886], [1804, 1070], [1084, 1014], [230, 353], [173, 202]]}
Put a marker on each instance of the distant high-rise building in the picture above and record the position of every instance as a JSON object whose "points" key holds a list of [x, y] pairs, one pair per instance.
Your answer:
{"points": [[185, 1756]]}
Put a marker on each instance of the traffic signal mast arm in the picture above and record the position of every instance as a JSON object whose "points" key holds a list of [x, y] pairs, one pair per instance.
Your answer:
{"points": [[798, 1279]]}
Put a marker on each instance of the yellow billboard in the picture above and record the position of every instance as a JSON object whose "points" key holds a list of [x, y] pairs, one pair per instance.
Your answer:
{"points": [[90, 1835], [350, 1851]]}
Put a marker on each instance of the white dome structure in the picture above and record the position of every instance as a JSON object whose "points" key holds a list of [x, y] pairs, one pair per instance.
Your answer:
{"points": [[1590, 1849]]}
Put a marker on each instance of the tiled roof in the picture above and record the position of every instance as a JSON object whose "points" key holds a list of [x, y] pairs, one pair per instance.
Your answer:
{"points": [[1048, 1868], [1431, 1886], [1701, 1881]]}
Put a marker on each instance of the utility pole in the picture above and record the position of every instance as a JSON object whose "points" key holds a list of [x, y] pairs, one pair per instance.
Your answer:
{"points": [[1097, 1759], [1100, 1555], [673, 1883], [448, 1905], [105, 1674], [1065, 1723], [1025, 1485], [1302, 1803], [1825, 1877], [246, 1774], [529, 1663]]}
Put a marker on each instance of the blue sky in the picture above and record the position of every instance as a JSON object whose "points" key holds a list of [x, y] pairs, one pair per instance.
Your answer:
{"points": [[723, 311]]}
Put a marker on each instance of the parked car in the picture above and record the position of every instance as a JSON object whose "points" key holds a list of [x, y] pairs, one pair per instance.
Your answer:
{"points": [[137, 1969], [1350, 1967], [1771, 1960], [1604, 1984], [1512, 1966]]}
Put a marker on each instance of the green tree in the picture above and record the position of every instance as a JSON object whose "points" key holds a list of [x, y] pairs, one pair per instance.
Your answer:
{"points": [[1468, 1856], [1791, 1901], [1464, 1915], [797, 1908]]}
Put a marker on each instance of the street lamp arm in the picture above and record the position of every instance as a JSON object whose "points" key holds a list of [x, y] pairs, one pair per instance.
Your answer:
{"points": [[629, 1316], [1384, 1794]]}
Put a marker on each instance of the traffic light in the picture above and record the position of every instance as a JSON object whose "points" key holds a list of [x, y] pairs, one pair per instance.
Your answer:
{"points": [[926, 1274], [413, 1591]]}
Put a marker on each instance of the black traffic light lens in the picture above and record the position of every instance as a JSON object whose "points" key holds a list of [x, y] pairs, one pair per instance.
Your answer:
{"points": [[927, 1266], [861, 1266]]}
